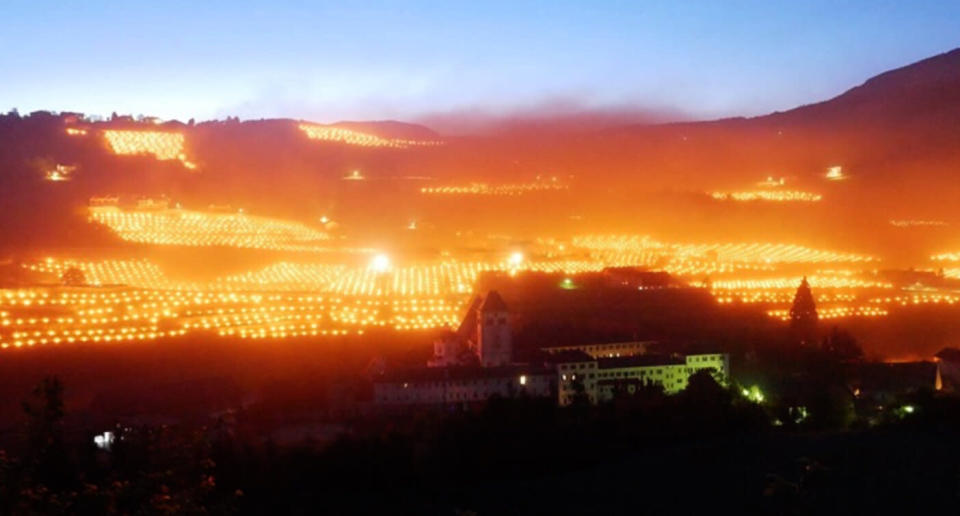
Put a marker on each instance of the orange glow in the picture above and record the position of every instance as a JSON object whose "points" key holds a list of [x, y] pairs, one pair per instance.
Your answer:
{"points": [[291, 299], [620, 219]]}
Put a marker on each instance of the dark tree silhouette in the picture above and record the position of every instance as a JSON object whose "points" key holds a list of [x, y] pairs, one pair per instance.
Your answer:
{"points": [[702, 387], [46, 454], [803, 314], [580, 397], [842, 345]]}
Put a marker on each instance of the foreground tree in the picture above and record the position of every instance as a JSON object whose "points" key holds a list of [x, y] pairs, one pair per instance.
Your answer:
{"points": [[73, 277], [45, 452], [803, 314], [842, 345]]}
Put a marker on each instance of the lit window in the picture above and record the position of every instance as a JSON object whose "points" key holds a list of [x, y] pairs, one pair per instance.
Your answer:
{"points": [[104, 441]]}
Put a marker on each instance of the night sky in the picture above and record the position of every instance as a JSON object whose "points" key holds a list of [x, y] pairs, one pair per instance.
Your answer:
{"points": [[327, 61]]}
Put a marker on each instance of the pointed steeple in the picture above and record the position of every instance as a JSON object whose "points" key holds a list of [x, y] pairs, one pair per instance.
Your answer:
{"points": [[493, 303]]}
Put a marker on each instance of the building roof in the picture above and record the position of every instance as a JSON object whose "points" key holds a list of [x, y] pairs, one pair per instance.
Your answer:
{"points": [[567, 355], [640, 361], [602, 346], [493, 303], [469, 324], [441, 374], [896, 377], [621, 381], [949, 355]]}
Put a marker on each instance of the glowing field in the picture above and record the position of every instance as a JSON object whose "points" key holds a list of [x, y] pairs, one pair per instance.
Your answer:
{"points": [[159, 144], [134, 299], [755, 253], [202, 229], [359, 138], [31, 317]]}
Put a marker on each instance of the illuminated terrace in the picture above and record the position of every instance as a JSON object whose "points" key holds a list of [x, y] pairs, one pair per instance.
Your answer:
{"points": [[359, 138], [159, 144], [297, 299], [486, 189], [203, 229]]}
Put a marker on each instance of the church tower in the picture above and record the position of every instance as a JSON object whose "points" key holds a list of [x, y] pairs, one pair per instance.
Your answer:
{"points": [[803, 314], [494, 336]]}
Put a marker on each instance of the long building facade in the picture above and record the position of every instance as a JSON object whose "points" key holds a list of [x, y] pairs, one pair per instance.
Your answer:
{"points": [[476, 363], [602, 379], [456, 385]]}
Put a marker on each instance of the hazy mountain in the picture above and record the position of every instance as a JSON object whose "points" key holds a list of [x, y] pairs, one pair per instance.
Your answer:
{"points": [[925, 92], [897, 135]]}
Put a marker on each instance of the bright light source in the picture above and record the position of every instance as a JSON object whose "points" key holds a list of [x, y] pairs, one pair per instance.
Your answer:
{"points": [[772, 182], [753, 394], [60, 173], [104, 441], [835, 173], [523, 379], [516, 258], [380, 263]]}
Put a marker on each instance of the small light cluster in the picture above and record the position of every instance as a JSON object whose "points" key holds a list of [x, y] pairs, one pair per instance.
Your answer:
{"points": [[768, 195], [60, 173], [909, 223], [835, 312], [946, 257], [835, 173], [508, 189]]}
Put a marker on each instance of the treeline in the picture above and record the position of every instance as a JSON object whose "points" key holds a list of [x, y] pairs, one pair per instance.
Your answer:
{"points": [[707, 448]]}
